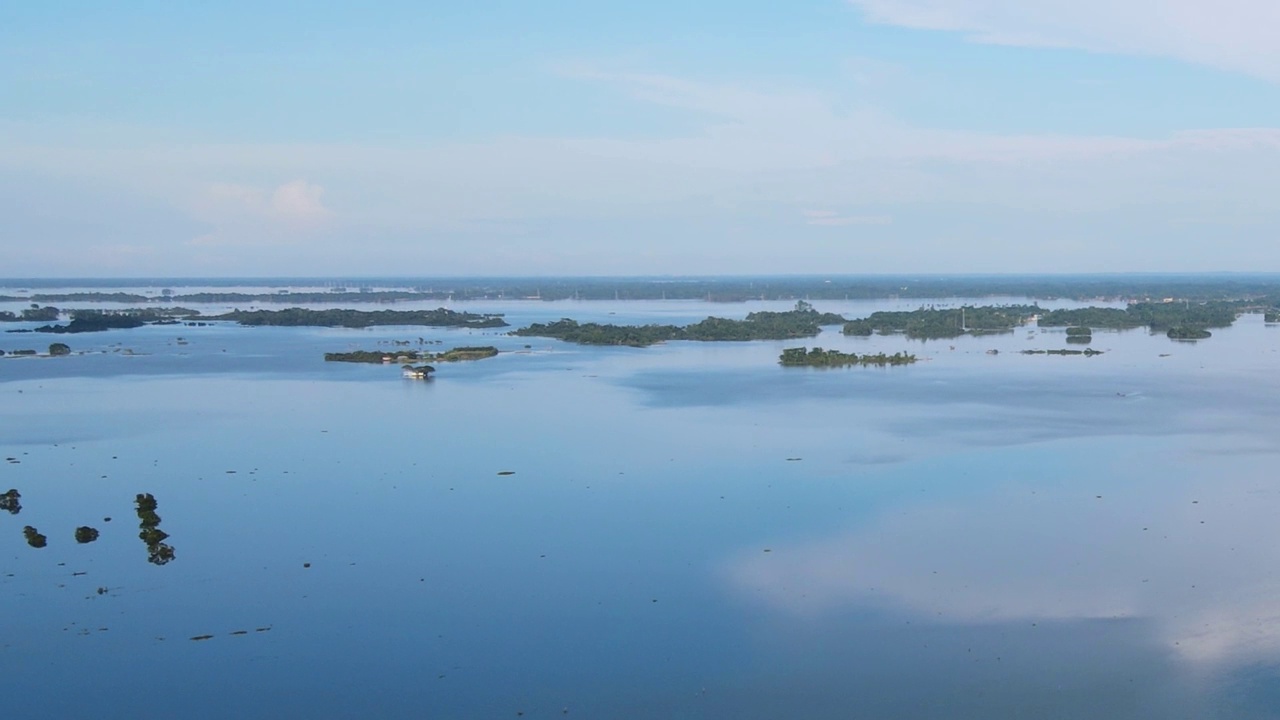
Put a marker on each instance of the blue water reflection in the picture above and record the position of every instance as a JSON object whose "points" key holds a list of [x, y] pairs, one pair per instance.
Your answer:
{"points": [[690, 531]]}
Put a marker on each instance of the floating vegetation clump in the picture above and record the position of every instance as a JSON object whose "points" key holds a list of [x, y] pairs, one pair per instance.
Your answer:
{"points": [[86, 534], [10, 501], [158, 551], [34, 538]]}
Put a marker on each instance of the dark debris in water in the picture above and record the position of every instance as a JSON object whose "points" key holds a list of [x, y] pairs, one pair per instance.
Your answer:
{"points": [[10, 501], [34, 538], [506, 472]]}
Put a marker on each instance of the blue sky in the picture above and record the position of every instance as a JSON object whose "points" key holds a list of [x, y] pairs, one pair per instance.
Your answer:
{"points": [[665, 137]]}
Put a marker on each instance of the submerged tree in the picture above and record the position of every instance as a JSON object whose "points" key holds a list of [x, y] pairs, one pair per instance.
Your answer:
{"points": [[34, 538], [158, 552], [10, 501]]}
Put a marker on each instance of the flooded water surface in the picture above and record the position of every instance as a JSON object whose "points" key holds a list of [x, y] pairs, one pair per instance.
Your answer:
{"points": [[687, 530]]}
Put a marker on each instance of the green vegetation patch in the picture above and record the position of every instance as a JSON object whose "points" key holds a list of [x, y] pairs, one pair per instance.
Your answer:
{"points": [[10, 502], [379, 357], [929, 323], [803, 321], [299, 317], [818, 357], [1154, 315], [34, 538]]}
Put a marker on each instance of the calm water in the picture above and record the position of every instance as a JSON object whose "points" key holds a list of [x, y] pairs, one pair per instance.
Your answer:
{"points": [[690, 531]]}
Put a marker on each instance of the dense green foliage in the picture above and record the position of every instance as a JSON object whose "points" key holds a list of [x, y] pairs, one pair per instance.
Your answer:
{"points": [[96, 321], [34, 538], [1079, 332], [158, 551], [601, 334], [1157, 316], [86, 534], [934, 323], [34, 313], [803, 321], [299, 317], [58, 349], [1188, 332], [42, 314], [1271, 316], [374, 356], [465, 353], [405, 356], [10, 502], [818, 357]]}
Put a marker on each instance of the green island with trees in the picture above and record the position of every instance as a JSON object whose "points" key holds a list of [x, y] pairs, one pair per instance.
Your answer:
{"points": [[929, 323], [99, 320], [818, 357], [803, 321], [1154, 315], [33, 313], [1188, 332], [457, 354], [299, 317]]}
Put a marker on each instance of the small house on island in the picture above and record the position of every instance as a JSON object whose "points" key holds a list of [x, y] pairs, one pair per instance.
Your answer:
{"points": [[420, 372]]}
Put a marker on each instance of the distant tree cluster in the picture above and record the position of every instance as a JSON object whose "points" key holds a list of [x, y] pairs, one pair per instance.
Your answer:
{"points": [[1156, 316], [929, 323], [94, 321], [803, 321], [818, 357], [299, 317], [404, 356], [35, 313]]}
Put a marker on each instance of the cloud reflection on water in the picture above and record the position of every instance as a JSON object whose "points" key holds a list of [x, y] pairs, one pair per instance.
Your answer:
{"points": [[1188, 550]]}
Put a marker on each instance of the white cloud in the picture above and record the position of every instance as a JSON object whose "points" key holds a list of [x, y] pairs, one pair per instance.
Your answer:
{"points": [[298, 203], [1235, 35], [246, 214], [961, 200]]}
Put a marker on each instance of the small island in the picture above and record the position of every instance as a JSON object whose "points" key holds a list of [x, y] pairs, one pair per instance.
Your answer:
{"points": [[402, 357], [35, 312], [818, 357], [417, 372], [1188, 332]]}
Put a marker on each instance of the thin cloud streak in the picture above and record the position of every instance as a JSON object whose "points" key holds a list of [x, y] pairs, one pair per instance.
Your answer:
{"points": [[1233, 35]]}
